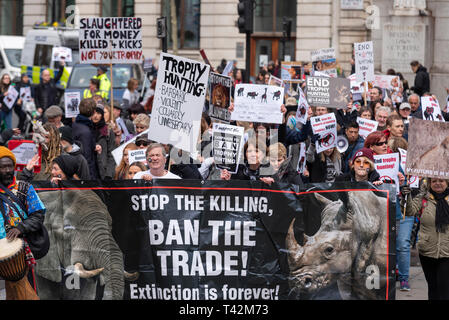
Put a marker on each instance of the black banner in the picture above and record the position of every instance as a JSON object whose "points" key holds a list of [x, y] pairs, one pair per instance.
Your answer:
{"points": [[217, 240]]}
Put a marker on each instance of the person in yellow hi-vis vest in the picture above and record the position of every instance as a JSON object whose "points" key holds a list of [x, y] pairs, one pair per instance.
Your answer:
{"points": [[94, 89], [105, 84]]}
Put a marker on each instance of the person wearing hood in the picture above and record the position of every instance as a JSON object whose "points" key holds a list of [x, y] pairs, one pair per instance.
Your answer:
{"points": [[422, 80], [362, 168], [83, 131], [69, 146], [64, 167]]}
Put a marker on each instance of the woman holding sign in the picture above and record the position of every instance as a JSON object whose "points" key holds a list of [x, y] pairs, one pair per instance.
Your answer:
{"points": [[432, 205]]}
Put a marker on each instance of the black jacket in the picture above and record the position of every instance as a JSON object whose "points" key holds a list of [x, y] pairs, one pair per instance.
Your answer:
{"points": [[46, 93], [83, 131], [83, 171], [422, 81], [287, 174]]}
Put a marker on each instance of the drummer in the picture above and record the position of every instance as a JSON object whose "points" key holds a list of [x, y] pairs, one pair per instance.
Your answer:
{"points": [[11, 225]]}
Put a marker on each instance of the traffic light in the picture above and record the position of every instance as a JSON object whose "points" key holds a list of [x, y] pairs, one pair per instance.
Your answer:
{"points": [[245, 10]]}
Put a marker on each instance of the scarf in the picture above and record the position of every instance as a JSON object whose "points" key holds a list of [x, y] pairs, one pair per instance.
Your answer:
{"points": [[442, 210]]}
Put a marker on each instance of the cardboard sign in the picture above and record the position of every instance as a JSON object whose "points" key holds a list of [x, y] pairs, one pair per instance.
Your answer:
{"points": [[219, 96], [366, 126], [24, 151], [178, 101], [303, 108], [301, 167], [11, 98], [25, 94], [387, 165], [324, 61], [137, 156], [258, 103], [364, 61], [72, 101], [61, 54], [117, 153], [110, 40], [326, 127], [227, 142], [328, 92], [431, 109]]}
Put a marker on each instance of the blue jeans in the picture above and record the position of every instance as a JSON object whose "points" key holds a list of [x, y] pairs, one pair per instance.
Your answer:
{"points": [[403, 233], [7, 117]]}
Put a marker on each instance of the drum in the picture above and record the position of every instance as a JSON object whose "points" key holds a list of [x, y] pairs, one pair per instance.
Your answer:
{"points": [[12, 259]]}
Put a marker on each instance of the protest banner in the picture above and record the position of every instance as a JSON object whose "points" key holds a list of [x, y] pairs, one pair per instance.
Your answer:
{"points": [[258, 103], [71, 103], [117, 153], [178, 102], [61, 54], [387, 165], [25, 94], [110, 40], [413, 181], [218, 240], [11, 97], [328, 92], [219, 96], [431, 109], [351, 4], [137, 156], [24, 151], [303, 108], [428, 157], [325, 126], [324, 61], [366, 126], [364, 61], [227, 142]]}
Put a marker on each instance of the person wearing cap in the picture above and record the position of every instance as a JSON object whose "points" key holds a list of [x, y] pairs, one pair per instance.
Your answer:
{"points": [[69, 146], [362, 168], [15, 220], [142, 141], [54, 116], [105, 84]]}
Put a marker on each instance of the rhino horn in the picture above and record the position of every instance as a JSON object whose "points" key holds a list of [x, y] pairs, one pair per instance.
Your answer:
{"points": [[295, 250], [131, 276], [323, 200], [86, 274]]}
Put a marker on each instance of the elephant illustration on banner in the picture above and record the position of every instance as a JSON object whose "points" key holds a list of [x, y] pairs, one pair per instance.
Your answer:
{"points": [[84, 261]]}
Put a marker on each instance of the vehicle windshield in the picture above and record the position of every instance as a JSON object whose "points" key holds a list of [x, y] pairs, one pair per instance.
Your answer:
{"points": [[80, 76], [14, 56]]}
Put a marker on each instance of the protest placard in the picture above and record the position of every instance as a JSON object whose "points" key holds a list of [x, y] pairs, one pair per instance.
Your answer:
{"points": [[428, 149], [413, 181], [117, 153], [301, 167], [11, 97], [147, 64], [303, 108], [25, 94], [291, 74], [324, 61], [387, 165], [110, 40], [258, 103], [366, 126], [274, 81], [228, 69], [61, 54], [364, 61], [227, 144], [137, 156], [71, 102], [328, 92], [219, 96], [24, 151], [325, 126], [431, 109], [178, 101]]}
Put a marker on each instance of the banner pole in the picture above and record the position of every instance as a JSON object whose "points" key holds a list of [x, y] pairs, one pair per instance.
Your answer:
{"points": [[364, 90], [112, 93]]}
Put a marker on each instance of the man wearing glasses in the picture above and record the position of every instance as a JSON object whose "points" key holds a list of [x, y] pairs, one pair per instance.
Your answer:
{"points": [[156, 158]]}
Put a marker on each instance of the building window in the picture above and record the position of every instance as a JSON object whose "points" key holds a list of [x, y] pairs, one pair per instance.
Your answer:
{"points": [[268, 15], [56, 10], [11, 17], [188, 21], [117, 8]]}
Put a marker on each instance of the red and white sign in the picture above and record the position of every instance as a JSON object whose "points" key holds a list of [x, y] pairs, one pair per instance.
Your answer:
{"points": [[24, 151], [326, 127], [387, 165], [431, 109], [366, 126]]}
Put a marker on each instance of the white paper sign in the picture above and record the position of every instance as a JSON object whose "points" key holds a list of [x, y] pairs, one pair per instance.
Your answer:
{"points": [[110, 40], [364, 61], [61, 53], [326, 127], [117, 153], [431, 109], [366, 126], [227, 142], [24, 152], [303, 108], [387, 165], [137, 156], [302, 158], [72, 101], [11, 98], [258, 103], [25, 94], [228, 68], [413, 182], [178, 101]]}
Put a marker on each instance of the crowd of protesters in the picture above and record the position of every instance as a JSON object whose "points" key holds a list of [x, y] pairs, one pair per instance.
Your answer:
{"points": [[81, 148]]}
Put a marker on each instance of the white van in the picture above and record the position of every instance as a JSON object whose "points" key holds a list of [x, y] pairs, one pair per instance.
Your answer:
{"points": [[10, 55], [38, 47]]}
